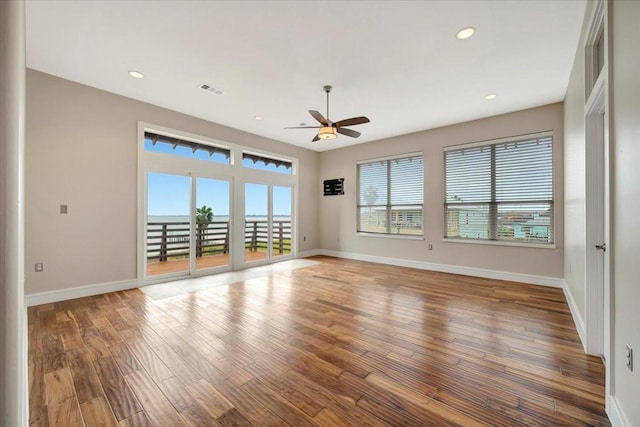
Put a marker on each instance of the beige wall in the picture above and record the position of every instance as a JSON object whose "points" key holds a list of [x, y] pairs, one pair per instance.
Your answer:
{"points": [[82, 151], [625, 16], [338, 213], [575, 250]]}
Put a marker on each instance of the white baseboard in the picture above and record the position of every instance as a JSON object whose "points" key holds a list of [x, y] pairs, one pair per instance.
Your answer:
{"points": [[101, 288], [575, 313], [616, 415], [79, 292], [312, 252], [454, 269]]}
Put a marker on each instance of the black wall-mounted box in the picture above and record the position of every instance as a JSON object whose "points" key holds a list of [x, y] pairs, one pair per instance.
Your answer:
{"points": [[334, 187]]}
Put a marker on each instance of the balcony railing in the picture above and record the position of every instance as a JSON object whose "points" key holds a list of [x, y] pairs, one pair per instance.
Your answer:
{"points": [[170, 240]]}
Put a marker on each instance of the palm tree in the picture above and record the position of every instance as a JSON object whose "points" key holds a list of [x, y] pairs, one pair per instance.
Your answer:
{"points": [[370, 196], [204, 216]]}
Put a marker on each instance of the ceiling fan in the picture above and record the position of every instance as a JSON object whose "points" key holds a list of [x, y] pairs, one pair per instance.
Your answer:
{"points": [[329, 129]]}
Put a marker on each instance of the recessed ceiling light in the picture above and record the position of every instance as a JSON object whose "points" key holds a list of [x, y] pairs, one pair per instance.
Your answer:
{"points": [[258, 117], [490, 96], [465, 33], [136, 74]]}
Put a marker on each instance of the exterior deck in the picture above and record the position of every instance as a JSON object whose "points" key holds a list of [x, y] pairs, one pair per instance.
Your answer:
{"points": [[168, 244], [155, 267]]}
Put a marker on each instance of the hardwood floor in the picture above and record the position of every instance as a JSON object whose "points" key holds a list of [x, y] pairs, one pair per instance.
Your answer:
{"points": [[336, 343]]}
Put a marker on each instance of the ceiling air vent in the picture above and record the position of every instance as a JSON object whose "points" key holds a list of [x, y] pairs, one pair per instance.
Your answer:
{"points": [[211, 89]]}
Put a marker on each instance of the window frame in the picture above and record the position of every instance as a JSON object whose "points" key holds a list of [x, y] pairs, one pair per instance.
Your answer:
{"points": [[152, 161], [493, 205], [389, 206]]}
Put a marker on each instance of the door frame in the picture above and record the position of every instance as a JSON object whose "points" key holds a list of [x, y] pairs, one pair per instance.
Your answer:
{"points": [[192, 271], [598, 293], [234, 172], [596, 219], [241, 262]]}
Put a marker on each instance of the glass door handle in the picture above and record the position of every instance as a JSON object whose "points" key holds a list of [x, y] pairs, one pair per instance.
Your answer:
{"points": [[602, 247]]}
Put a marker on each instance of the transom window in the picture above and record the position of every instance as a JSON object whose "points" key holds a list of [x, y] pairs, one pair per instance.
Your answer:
{"points": [[390, 195], [501, 190], [184, 148], [262, 162]]}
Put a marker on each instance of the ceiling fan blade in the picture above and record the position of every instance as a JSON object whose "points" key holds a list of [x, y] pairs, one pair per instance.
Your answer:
{"points": [[316, 138], [348, 132], [303, 127], [352, 121], [319, 117]]}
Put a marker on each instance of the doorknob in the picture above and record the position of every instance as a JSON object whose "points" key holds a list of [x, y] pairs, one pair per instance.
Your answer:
{"points": [[602, 247]]}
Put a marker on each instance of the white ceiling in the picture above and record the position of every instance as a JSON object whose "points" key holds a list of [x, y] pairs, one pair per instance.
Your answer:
{"points": [[399, 63]]}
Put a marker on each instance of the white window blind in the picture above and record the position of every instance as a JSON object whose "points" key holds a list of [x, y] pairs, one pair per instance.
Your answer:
{"points": [[501, 191], [390, 195]]}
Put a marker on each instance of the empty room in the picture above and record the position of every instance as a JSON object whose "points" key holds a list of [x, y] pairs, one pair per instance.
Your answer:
{"points": [[323, 213]]}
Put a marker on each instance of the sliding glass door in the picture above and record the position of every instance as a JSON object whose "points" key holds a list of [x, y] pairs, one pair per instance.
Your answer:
{"points": [[282, 220], [187, 224], [212, 223], [168, 224], [268, 222], [256, 222]]}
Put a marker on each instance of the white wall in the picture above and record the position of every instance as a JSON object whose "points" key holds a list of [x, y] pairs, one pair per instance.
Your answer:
{"points": [[625, 19], [13, 330], [81, 150], [338, 213], [575, 250]]}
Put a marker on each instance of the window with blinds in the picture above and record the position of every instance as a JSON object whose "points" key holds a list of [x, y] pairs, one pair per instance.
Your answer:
{"points": [[501, 191], [390, 195]]}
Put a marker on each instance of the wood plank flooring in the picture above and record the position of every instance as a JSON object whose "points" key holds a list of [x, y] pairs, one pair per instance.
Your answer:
{"points": [[336, 343]]}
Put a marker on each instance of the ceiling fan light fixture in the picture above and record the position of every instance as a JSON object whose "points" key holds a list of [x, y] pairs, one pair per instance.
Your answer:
{"points": [[327, 132]]}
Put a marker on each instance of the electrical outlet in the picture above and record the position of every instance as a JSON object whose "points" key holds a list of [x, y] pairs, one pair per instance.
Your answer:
{"points": [[430, 247], [39, 267], [64, 209], [629, 357]]}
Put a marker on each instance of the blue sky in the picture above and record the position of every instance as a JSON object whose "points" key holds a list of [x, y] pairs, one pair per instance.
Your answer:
{"points": [[170, 194]]}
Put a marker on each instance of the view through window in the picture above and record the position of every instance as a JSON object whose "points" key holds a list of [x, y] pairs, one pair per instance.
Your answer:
{"points": [[501, 191], [390, 195]]}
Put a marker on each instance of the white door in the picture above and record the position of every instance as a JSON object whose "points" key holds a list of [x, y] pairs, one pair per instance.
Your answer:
{"points": [[597, 218]]}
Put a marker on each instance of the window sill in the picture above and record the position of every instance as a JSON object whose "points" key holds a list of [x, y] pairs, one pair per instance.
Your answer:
{"points": [[390, 236], [502, 243]]}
